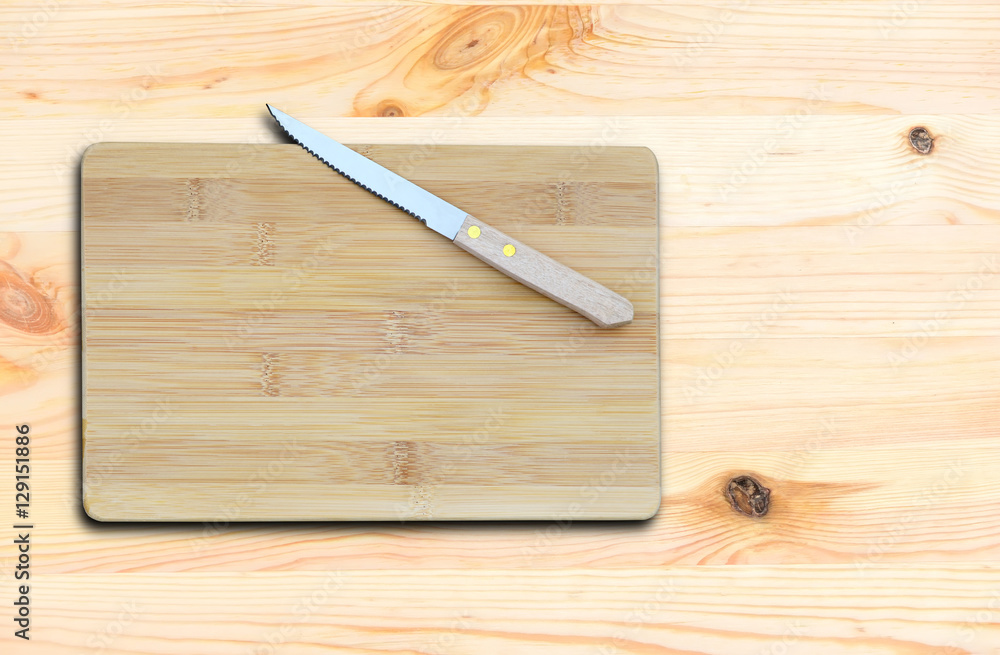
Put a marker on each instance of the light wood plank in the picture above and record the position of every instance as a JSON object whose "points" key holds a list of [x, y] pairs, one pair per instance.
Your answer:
{"points": [[215, 59], [675, 610]]}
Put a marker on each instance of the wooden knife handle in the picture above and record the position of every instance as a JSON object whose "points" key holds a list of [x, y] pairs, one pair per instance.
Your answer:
{"points": [[543, 274]]}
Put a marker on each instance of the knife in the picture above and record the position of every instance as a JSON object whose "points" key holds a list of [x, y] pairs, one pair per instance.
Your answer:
{"points": [[526, 265]]}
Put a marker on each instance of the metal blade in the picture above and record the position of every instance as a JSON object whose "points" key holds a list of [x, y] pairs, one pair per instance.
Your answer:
{"points": [[440, 216]]}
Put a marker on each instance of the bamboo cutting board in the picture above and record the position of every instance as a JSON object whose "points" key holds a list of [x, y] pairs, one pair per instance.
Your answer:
{"points": [[263, 340]]}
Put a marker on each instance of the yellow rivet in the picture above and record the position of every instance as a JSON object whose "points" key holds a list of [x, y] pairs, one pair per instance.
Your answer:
{"points": [[509, 250], [474, 232]]}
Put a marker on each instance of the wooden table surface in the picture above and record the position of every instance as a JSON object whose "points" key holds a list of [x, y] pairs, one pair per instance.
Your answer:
{"points": [[830, 326]]}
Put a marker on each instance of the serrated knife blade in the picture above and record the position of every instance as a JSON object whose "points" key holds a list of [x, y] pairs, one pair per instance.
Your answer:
{"points": [[442, 217], [517, 260]]}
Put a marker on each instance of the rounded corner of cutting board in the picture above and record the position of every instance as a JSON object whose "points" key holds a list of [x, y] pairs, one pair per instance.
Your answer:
{"points": [[92, 508], [650, 510]]}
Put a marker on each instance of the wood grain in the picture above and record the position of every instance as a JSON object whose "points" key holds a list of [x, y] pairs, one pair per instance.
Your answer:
{"points": [[315, 300], [948, 609], [781, 131], [401, 59]]}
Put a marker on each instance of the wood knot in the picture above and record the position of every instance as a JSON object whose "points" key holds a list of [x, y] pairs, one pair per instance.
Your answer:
{"points": [[458, 61], [476, 37], [218, 80], [397, 332], [921, 140], [23, 307], [263, 245], [402, 459], [573, 201], [208, 199], [421, 502], [193, 195], [389, 110], [748, 496], [268, 375]]}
